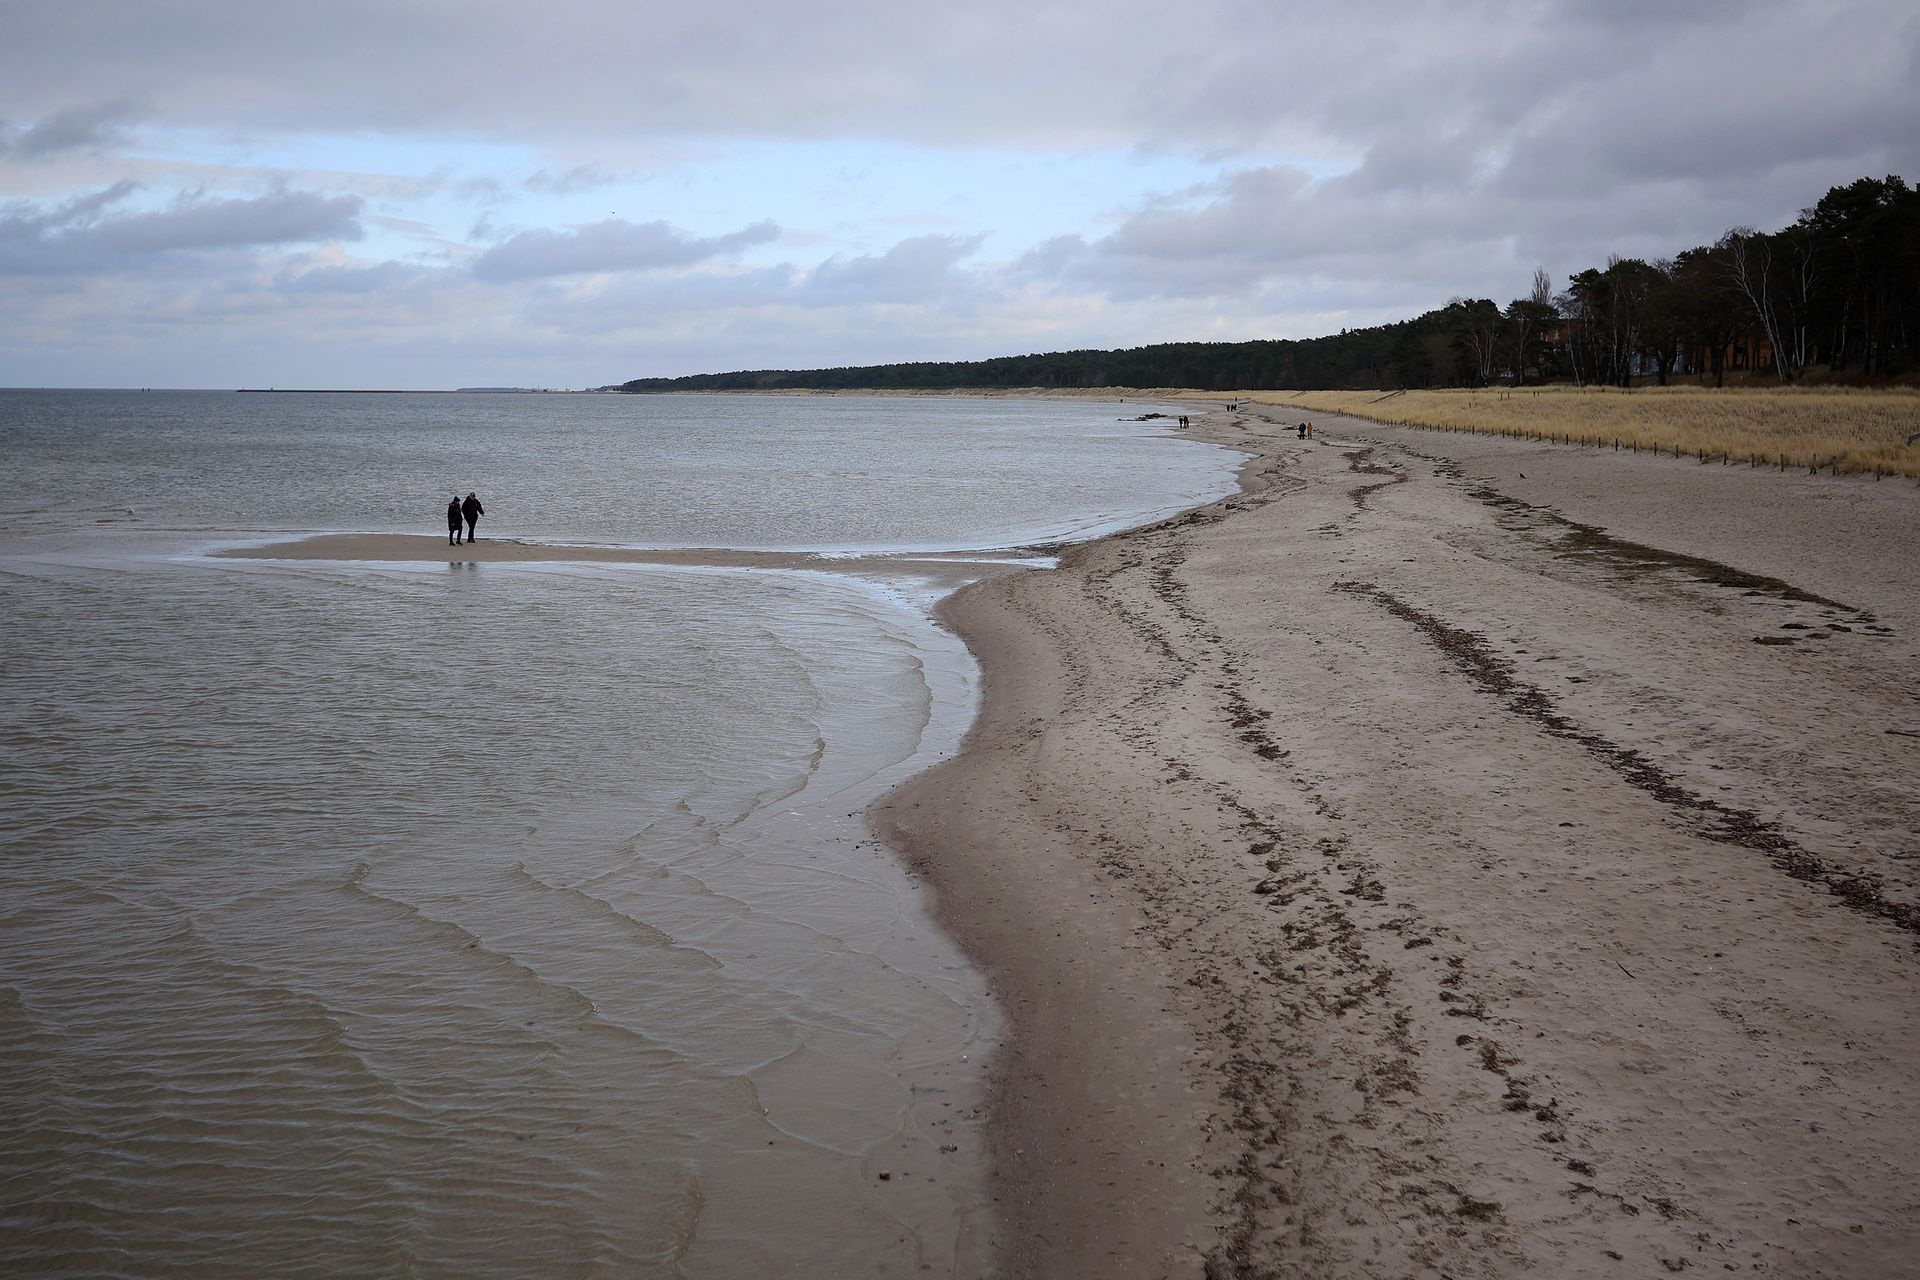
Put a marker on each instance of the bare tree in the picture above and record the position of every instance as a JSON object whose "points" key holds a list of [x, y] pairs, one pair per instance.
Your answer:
{"points": [[1750, 263], [1576, 313], [1525, 317], [1481, 330]]}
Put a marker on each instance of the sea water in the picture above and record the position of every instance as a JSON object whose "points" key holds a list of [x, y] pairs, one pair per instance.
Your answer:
{"points": [[509, 920]]}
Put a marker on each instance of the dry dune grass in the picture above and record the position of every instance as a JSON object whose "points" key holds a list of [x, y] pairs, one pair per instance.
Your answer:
{"points": [[1842, 429]]}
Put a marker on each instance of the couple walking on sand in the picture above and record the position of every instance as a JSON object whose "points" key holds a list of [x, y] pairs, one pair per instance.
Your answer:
{"points": [[470, 511]]}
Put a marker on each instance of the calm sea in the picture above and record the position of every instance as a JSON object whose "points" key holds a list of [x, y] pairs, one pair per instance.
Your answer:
{"points": [[496, 920]]}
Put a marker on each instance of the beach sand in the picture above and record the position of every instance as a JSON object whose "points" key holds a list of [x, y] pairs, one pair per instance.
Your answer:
{"points": [[944, 569], [1450, 855]]}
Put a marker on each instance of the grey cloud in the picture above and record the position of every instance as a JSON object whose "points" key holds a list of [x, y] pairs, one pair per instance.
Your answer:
{"points": [[437, 330], [1244, 218], [1417, 161], [375, 278], [657, 300], [1495, 109], [25, 218], [479, 190], [407, 226], [612, 245], [1705, 130], [1055, 256], [88, 128], [81, 236], [1267, 229], [1222, 72], [285, 217], [994, 70], [1486, 160], [917, 269], [1467, 140]]}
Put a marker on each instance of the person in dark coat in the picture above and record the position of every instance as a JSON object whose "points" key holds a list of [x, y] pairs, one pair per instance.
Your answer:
{"points": [[453, 521], [472, 510]]}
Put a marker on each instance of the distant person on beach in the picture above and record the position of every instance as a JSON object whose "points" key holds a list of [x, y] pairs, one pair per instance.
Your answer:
{"points": [[1302, 430], [472, 510], [453, 521]]}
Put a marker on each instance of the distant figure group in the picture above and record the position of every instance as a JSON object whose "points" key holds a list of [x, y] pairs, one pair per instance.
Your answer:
{"points": [[467, 512], [1306, 431]]}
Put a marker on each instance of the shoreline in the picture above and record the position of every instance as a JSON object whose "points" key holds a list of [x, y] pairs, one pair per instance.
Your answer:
{"points": [[1413, 861], [868, 1119]]}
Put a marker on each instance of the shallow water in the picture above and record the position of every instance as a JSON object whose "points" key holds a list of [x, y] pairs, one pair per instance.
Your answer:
{"points": [[510, 920], [845, 473]]}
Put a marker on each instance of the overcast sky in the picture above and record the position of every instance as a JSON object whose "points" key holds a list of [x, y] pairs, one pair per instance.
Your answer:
{"points": [[421, 193]]}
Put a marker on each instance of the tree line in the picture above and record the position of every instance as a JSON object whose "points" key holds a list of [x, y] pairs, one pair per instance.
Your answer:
{"points": [[1835, 293]]}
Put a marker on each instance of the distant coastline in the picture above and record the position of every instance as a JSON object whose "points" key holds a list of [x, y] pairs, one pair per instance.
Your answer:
{"points": [[419, 391]]}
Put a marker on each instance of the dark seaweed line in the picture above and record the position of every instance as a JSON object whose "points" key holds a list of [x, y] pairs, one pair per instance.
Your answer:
{"points": [[1713, 820], [1590, 539], [1361, 461]]}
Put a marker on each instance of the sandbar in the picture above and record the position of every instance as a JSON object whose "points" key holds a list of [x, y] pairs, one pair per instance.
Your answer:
{"points": [[950, 568]]}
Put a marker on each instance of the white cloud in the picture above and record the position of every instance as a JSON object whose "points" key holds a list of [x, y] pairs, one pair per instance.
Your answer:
{"points": [[82, 236], [919, 269], [612, 245], [581, 177]]}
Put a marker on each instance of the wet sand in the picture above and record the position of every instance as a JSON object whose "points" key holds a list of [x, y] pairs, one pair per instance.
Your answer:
{"points": [[949, 568], [1451, 855]]}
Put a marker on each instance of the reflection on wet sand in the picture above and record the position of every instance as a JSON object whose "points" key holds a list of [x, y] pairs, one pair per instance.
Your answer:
{"points": [[949, 568]]}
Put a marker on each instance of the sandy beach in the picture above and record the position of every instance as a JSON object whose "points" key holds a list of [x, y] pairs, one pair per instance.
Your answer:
{"points": [[1455, 856]]}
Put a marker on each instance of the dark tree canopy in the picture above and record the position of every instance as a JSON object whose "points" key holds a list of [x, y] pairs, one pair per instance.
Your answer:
{"points": [[1838, 290]]}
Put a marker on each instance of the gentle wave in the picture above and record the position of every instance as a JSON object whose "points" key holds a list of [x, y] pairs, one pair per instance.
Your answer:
{"points": [[502, 920]]}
